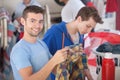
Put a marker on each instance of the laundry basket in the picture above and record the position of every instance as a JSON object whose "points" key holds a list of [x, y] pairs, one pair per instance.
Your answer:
{"points": [[99, 58]]}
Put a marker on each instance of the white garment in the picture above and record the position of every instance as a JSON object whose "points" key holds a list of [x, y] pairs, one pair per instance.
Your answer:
{"points": [[21, 6], [70, 10], [99, 4]]}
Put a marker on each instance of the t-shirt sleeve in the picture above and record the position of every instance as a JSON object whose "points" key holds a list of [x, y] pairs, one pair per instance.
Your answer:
{"points": [[20, 58]]}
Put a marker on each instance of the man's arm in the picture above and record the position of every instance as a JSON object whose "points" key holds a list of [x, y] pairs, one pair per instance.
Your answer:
{"points": [[88, 74], [42, 74]]}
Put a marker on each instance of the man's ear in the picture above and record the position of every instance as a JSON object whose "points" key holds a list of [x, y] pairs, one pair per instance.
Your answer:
{"points": [[79, 18], [22, 21]]}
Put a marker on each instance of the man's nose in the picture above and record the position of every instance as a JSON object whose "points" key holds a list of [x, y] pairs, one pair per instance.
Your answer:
{"points": [[38, 24]]}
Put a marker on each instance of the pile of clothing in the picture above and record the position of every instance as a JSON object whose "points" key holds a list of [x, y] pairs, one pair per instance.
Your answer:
{"points": [[108, 47]]}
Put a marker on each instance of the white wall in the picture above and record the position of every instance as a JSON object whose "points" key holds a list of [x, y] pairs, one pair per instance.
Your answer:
{"points": [[54, 8]]}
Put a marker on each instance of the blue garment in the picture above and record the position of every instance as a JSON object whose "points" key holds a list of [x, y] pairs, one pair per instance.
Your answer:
{"points": [[21, 6], [53, 38], [25, 54]]}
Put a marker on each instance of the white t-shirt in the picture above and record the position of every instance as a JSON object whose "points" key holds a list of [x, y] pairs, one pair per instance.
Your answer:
{"points": [[70, 10]]}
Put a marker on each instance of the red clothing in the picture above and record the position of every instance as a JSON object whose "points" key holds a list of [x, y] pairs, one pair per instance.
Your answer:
{"points": [[90, 4], [111, 6], [21, 35], [118, 16]]}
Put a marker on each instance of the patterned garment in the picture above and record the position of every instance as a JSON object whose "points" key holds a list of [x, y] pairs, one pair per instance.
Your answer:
{"points": [[73, 67]]}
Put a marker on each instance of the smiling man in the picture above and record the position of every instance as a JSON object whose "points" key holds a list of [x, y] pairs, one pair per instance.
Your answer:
{"points": [[30, 58]]}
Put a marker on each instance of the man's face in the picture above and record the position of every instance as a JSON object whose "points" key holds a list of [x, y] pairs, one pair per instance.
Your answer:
{"points": [[86, 26], [33, 24], [61, 0]]}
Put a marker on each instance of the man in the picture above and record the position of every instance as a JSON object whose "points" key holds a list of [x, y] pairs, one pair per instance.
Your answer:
{"points": [[65, 34], [22, 5], [18, 14], [30, 58], [64, 1]]}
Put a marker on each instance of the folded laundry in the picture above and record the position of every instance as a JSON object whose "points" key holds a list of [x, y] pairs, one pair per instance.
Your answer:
{"points": [[108, 47]]}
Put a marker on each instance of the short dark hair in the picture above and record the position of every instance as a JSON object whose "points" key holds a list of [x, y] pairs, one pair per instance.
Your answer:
{"points": [[87, 12], [33, 9]]}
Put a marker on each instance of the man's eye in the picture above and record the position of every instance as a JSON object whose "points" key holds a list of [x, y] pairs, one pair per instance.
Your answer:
{"points": [[88, 26], [32, 21]]}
